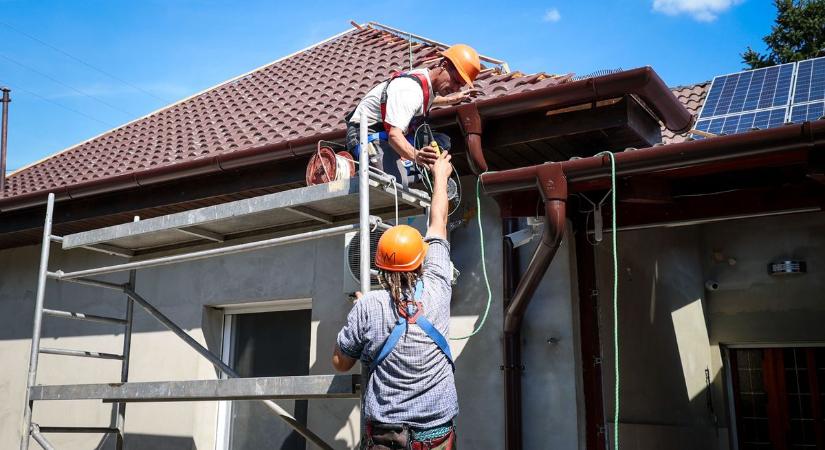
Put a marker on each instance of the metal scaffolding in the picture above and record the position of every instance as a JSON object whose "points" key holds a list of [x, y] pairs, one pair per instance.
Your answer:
{"points": [[316, 211]]}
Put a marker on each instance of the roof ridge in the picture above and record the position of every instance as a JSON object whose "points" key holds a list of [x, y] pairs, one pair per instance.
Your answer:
{"points": [[505, 67], [178, 102]]}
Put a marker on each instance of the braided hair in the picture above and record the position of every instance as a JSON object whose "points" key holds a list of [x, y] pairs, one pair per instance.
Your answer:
{"points": [[400, 285]]}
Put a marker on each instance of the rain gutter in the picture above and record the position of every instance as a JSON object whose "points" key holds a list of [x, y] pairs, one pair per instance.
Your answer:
{"points": [[643, 82], [555, 180]]}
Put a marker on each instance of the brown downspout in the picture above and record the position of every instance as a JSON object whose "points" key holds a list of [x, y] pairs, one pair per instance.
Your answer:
{"points": [[553, 187], [469, 121]]}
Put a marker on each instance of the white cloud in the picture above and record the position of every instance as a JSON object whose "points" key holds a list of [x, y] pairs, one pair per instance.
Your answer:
{"points": [[701, 10], [552, 15]]}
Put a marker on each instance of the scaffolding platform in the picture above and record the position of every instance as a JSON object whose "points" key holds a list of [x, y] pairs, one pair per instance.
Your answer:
{"points": [[296, 215], [272, 388], [306, 208]]}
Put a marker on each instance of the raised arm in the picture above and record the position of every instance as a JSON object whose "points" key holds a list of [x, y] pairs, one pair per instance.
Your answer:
{"points": [[441, 171]]}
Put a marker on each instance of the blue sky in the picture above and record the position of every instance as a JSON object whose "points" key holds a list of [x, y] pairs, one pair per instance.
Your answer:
{"points": [[156, 52]]}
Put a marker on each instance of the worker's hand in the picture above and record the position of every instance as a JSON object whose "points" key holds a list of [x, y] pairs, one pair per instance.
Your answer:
{"points": [[442, 168], [357, 296], [426, 156], [458, 97]]}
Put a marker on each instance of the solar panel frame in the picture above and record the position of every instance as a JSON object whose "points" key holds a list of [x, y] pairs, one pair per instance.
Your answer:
{"points": [[742, 122], [747, 91], [747, 100], [809, 84], [807, 112], [764, 98]]}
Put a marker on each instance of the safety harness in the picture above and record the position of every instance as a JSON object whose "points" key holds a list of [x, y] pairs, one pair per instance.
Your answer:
{"points": [[425, 88], [419, 78], [412, 314]]}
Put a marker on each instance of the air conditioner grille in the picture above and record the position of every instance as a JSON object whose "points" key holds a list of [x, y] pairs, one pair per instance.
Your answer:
{"points": [[354, 255]]}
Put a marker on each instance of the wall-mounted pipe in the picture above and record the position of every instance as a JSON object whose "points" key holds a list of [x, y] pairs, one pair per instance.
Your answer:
{"points": [[470, 123], [553, 181], [552, 184], [4, 132]]}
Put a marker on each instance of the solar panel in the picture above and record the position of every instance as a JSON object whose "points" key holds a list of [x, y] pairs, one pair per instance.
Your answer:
{"points": [[764, 98], [748, 91], [810, 81], [807, 112], [754, 99], [739, 123]]}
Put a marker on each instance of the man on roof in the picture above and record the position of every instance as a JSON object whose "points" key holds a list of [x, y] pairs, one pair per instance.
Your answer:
{"points": [[395, 107], [400, 332]]}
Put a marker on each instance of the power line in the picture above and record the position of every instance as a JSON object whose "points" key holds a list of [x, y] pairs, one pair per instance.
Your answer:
{"points": [[76, 59], [63, 106], [104, 102]]}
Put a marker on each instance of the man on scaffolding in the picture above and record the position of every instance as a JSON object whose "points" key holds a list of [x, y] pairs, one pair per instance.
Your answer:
{"points": [[395, 108], [399, 332]]}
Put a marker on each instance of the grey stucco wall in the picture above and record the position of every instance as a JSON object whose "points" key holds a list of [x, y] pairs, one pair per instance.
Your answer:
{"points": [[663, 402], [752, 307], [187, 292], [551, 383], [671, 326]]}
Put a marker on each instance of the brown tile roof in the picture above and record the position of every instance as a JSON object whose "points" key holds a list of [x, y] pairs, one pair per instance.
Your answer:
{"points": [[692, 97], [303, 95]]}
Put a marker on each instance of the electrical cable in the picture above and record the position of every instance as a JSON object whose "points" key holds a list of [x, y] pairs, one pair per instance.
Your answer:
{"points": [[75, 58], [483, 266], [425, 177], [62, 106], [615, 299], [55, 80]]}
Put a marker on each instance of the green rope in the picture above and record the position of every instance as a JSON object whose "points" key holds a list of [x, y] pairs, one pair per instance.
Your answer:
{"points": [[483, 264], [615, 298]]}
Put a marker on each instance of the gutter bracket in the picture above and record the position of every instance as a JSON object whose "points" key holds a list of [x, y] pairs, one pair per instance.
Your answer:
{"points": [[470, 123]]}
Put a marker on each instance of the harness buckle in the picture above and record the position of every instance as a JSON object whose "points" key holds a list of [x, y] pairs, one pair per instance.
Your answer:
{"points": [[411, 311]]}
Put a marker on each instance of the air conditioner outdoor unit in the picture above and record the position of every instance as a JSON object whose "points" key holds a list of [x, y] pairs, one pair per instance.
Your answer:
{"points": [[352, 254], [352, 260]]}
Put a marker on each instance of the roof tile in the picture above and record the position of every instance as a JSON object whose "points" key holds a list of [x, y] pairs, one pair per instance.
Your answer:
{"points": [[299, 96], [692, 97]]}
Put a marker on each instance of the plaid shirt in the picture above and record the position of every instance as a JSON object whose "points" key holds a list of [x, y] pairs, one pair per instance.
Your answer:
{"points": [[414, 385]]}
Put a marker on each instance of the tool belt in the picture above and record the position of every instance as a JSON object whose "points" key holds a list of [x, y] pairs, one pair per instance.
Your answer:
{"points": [[402, 437]]}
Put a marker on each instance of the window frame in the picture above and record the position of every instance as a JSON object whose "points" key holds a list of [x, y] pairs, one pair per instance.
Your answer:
{"points": [[230, 312]]}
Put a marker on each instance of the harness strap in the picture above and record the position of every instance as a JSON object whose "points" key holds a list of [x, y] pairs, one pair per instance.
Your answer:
{"points": [[425, 88], [380, 136], [437, 337], [401, 328]]}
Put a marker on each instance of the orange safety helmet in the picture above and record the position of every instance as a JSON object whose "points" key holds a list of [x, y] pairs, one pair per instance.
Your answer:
{"points": [[400, 249], [465, 60]]}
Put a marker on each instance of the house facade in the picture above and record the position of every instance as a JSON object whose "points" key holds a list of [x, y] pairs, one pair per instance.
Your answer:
{"points": [[702, 324]]}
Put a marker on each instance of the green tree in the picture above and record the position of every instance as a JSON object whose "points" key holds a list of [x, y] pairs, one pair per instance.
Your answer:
{"points": [[799, 33]]}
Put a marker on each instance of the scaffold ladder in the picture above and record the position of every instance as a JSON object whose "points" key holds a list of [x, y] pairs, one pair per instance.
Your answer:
{"points": [[327, 205]]}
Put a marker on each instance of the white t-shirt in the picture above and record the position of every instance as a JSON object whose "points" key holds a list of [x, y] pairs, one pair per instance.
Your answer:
{"points": [[405, 100]]}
